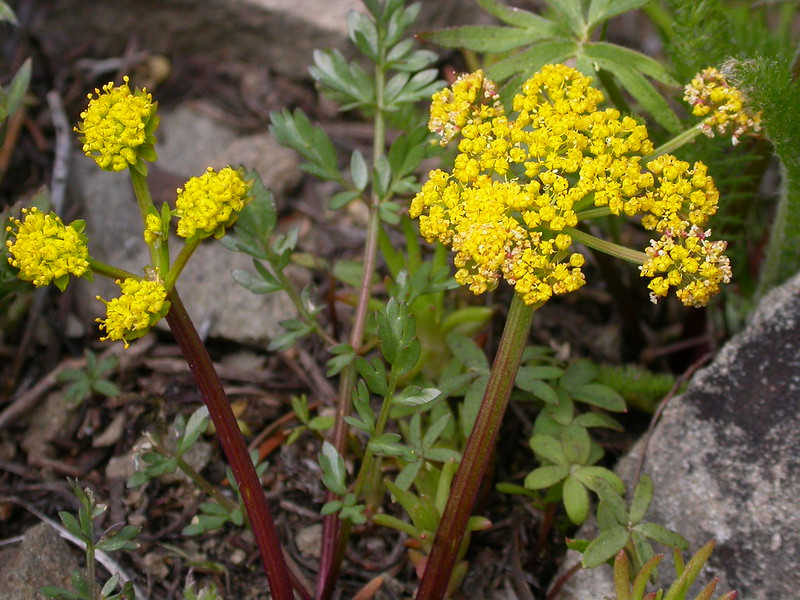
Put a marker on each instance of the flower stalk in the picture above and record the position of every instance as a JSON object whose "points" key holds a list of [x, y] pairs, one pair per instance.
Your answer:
{"points": [[234, 447], [475, 459]]}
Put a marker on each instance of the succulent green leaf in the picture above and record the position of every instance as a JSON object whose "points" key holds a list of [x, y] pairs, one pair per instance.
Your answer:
{"points": [[604, 547]]}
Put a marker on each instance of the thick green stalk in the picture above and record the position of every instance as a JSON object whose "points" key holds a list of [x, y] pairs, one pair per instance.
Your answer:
{"points": [[623, 252], [234, 446], [480, 445]]}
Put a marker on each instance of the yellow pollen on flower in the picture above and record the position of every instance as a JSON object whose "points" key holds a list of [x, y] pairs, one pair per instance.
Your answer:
{"points": [[723, 106], [689, 262], [152, 229], [117, 126], [44, 249], [142, 304], [208, 204]]}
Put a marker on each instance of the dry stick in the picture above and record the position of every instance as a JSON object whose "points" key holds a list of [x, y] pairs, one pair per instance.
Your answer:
{"points": [[481, 442], [234, 446]]}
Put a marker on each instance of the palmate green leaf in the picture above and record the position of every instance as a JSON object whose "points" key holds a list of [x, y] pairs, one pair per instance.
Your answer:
{"points": [[603, 51], [644, 92], [602, 10], [486, 38], [524, 64], [571, 12], [518, 17], [604, 547]]}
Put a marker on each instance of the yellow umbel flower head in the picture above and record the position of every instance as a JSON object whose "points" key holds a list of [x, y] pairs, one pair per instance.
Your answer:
{"points": [[208, 204], [142, 304], [510, 204], [515, 183], [45, 250], [722, 105], [118, 125], [689, 262]]}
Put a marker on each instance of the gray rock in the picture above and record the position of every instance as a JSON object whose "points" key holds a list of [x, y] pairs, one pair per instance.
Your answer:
{"points": [[725, 461], [192, 140], [42, 558], [278, 34]]}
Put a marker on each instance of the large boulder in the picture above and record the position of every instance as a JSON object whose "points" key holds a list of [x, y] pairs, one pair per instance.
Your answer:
{"points": [[725, 462]]}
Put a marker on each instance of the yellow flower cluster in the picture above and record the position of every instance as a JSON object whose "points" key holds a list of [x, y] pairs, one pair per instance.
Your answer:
{"points": [[723, 105], [131, 315], [44, 249], [517, 185], [208, 204], [118, 127], [690, 263], [471, 96]]}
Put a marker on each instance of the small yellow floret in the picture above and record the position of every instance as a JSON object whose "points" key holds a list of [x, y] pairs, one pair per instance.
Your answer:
{"points": [[208, 204], [44, 249], [131, 315], [117, 126]]}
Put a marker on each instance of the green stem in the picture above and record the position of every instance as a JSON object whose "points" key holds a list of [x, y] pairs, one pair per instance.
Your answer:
{"points": [[145, 200], [180, 262], [234, 446], [335, 533], [106, 270], [678, 141], [200, 481], [91, 577], [611, 248], [481, 442]]}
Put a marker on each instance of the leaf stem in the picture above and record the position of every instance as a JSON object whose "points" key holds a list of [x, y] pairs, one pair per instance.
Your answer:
{"points": [[467, 481], [234, 446], [607, 247], [679, 140]]}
